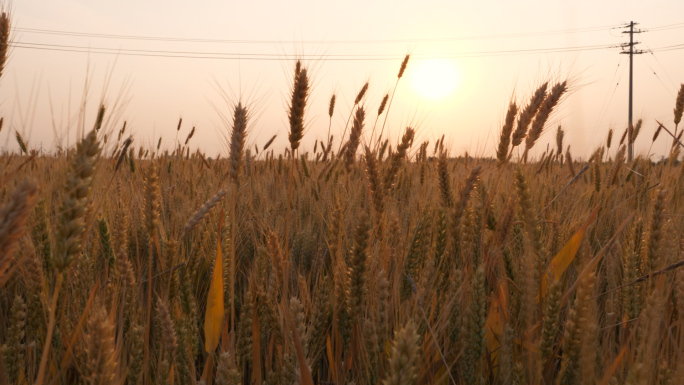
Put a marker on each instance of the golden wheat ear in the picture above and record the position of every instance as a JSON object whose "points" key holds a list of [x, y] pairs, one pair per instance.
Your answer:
{"points": [[102, 361], [527, 115], [404, 356], [5, 26], [71, 221], [506, 130], [354, 138], [202, 212], [543, 114], [237, 142], [361, 93], [13, 218], [679, 107], [300, 91]]}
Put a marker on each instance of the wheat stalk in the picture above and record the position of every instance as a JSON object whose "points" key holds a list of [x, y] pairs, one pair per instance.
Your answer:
{"points": [[402, 69]]}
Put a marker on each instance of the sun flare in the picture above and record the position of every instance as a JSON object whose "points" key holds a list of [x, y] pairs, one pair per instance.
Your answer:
{"points": [[435, 78]]}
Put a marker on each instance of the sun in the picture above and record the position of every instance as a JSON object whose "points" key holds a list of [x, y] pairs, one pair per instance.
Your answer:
{"points": [[435, 78]]}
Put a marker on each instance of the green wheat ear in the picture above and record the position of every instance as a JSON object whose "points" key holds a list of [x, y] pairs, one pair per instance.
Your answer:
{"points": [[21, 143], [71, 218], [403, 365]]}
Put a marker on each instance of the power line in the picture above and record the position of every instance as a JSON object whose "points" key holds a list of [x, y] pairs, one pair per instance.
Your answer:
{"points": [[667, 27], [253, 41], [606, 101], [675, 47], [346, 57], [200, 53], [658, 77], [376, 41], [661, 66], [267, 56]]}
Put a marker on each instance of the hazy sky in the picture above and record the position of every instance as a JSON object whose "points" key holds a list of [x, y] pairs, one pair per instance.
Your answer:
{"points": [[491, 47]]}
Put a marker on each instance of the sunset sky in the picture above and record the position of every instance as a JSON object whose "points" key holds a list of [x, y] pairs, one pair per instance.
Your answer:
{"points": [[176, 58]]}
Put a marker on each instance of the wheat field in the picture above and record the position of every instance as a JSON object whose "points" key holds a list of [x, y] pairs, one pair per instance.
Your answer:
{"points": [[362, 261]]}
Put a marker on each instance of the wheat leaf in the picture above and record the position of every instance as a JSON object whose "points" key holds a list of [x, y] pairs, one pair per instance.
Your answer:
{"points": [[213, 317], [564, 258]]}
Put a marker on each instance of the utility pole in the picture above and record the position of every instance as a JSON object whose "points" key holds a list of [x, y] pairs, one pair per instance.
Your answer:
{"points": [[631, 52]]}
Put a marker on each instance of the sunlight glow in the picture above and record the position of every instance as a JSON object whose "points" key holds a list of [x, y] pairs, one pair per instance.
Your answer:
{"points": [[434, 78]]}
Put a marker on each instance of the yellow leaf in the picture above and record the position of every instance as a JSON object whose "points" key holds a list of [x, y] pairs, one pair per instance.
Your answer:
{"points": [[22, 378], [213, 317], [441, 377], [329, 351], [562, 260], [610, 370]]}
